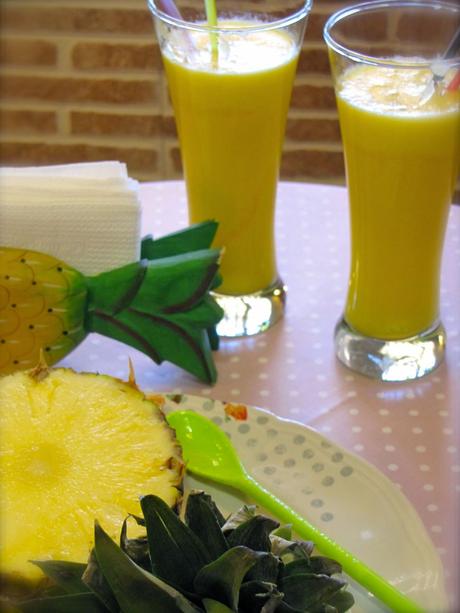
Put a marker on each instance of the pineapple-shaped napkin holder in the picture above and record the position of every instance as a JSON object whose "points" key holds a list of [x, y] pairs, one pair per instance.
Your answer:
{"points": [[72, 262], [160, 304]]}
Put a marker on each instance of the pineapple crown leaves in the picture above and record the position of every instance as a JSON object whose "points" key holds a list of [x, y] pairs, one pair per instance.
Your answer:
{"points": [[196, 566], [161, 305]]}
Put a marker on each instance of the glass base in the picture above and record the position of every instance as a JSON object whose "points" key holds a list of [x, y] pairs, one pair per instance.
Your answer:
{"points": [[251, 313], [390, 360]]}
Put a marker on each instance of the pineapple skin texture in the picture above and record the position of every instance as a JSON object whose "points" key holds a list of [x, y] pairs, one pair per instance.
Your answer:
{"points": [[76, 448], [42, 308]]}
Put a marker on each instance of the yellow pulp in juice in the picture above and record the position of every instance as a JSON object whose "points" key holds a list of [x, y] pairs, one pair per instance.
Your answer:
{"points": [[402, 161], [231, 116]]}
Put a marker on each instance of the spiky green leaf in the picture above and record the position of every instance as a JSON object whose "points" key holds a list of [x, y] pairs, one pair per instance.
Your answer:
{"points": [[222, 578], [203, 517], [254, 533], [136, 590], [306, 591], [138, 548], [176, 553], [94, 579], [317, 565], [67, 575], [267, 569]]}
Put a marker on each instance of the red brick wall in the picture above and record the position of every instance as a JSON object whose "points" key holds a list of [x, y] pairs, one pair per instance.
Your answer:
{"points": [[83, 80]]}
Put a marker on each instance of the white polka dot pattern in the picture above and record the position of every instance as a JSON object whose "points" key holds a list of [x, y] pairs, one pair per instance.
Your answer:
{"points": [[292, 370]]}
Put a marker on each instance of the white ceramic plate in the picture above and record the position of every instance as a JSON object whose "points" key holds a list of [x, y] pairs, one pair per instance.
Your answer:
{"points": [[344, 496]]}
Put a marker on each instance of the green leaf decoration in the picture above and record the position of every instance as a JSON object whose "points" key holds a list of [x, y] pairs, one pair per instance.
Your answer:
{"points": [[176, 553], [193, 238], [74, 603], [67, 575], [213, 338], [169, 285], [254, 533], [222, 578], [162, 308], [204, 518], [177, 283], [307, 591], [136, 590]]}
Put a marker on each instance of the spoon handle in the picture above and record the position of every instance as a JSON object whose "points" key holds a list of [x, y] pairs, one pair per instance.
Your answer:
{"points": [[369, 579]]}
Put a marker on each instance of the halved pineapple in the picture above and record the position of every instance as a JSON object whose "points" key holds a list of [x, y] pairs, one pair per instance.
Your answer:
{"points": [[75, 448]]}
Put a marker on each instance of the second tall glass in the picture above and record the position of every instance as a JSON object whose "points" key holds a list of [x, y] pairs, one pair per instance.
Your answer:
{"points": [[230, 86], [395, 66]]}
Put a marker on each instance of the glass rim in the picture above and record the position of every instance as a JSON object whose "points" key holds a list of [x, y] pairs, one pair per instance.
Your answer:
{"points": [[366, 7], [297, 16]]}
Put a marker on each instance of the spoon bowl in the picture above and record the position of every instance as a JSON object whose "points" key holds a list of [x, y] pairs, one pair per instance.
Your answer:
{"points": [[206, 449]]}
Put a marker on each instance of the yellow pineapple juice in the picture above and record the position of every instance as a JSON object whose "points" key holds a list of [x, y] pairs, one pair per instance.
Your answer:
{"points": [[402, 161], [231, 113]]}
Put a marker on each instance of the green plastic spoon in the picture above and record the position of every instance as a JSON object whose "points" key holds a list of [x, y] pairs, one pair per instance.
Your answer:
{"points": [[208, 453]]}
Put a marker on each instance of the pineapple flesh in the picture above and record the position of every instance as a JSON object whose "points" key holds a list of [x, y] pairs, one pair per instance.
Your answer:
{"points": [[75, 448]]}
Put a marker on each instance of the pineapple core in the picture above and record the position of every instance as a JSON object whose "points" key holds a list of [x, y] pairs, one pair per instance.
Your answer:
{"points": [[75, 448]]}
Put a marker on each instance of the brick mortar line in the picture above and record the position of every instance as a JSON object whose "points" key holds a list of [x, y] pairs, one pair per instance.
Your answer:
{"points": [[53, 35], [103, 107], [53, 71], [57, 35], [152, 76], [137, 111], [64, 70], [53, 139], [142, 143], [94, 37]]}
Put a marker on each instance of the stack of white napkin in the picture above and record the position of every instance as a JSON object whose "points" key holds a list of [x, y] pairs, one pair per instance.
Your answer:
{"points": [[87, 215]]}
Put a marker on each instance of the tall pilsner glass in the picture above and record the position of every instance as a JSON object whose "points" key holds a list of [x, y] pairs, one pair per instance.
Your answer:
{"points": [[230, 87], [401, 138]]}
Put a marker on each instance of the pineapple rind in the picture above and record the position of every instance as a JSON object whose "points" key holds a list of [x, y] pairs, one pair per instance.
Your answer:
{"points": [[75, 448]]}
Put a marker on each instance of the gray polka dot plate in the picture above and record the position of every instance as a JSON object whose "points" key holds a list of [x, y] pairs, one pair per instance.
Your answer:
{"points": [[344, 496]]}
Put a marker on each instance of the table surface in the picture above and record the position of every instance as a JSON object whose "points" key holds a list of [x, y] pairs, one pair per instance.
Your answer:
{"points": [[410, 431]]}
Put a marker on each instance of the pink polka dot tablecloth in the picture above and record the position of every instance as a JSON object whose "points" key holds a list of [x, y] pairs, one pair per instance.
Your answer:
{"points": [[409, 431]]}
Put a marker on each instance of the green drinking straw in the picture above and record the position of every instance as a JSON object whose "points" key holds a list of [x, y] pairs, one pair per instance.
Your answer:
{"points": [[211, 16]]}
